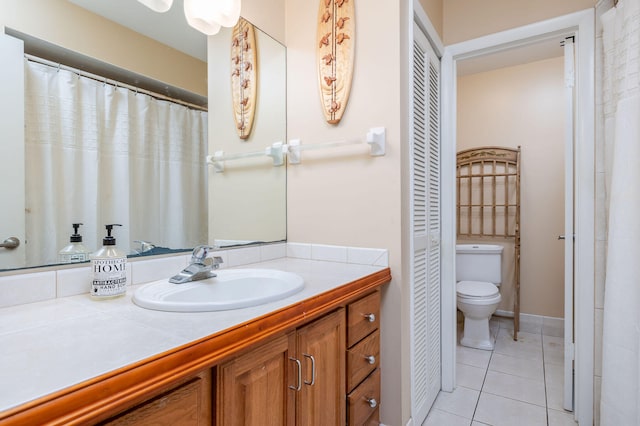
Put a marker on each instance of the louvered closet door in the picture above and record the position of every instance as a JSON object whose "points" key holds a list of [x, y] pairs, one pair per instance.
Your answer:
{"points": [[425, 223]]}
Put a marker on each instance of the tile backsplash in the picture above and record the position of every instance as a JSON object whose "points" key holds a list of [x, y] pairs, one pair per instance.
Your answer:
{"points": [[62, 282]]}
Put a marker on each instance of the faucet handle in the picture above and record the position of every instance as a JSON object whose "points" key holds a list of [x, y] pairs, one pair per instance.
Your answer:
{"points": [[217, 260], [200, 253]]}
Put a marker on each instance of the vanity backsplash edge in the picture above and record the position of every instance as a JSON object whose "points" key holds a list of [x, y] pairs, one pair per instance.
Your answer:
{"points": [[55, 282]]}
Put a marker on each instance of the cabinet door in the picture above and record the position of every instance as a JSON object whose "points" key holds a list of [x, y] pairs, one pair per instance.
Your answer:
{"points": [[253, 389], [321, 351], [187, 405]]}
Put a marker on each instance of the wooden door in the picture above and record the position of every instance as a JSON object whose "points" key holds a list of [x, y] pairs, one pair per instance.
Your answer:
{"points": [[425, 228], [188, 404], [321, 350], [253, 389]]}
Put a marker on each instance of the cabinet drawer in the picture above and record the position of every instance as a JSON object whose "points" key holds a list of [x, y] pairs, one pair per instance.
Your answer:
{"points": [[374, 419], [363, 317], [363, 401], [360, 357]]}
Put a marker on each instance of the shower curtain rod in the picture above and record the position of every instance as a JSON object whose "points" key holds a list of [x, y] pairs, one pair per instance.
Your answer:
{"points": [[112, 82]]}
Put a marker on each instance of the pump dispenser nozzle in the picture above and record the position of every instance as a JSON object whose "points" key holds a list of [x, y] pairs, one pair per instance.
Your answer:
{"points": [[109, 240], [76, 237], [74, 251]]}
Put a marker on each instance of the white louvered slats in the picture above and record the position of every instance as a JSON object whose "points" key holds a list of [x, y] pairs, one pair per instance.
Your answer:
{"points": [[425, 223]]}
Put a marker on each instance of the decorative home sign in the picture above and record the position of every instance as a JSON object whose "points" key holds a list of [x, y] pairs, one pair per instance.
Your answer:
{"points": [[244, 71], [335, 55]]}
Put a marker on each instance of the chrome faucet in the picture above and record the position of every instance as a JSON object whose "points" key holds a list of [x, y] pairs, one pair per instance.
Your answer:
{"points": [[200, 268]]}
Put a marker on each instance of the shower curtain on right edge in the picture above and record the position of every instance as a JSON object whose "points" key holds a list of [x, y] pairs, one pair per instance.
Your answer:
{"points": [[620, 398]]}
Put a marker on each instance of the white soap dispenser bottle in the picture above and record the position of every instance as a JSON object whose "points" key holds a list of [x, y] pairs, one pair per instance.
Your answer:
{"points": [[75, 251], [109, 268]]}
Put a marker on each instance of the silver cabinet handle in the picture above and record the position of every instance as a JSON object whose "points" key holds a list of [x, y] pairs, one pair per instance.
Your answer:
{"points": [[313, 370], [299, 385], [10, 243], [370, 317], [372, 402], [370, 359]]}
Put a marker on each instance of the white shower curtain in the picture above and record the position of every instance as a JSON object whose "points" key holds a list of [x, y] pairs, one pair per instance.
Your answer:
{"points": [[620, 398], [100, 154]]}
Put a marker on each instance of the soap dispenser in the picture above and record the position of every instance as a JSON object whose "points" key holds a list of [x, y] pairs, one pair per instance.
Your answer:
{"points": [[75, 251], [109, 267]]}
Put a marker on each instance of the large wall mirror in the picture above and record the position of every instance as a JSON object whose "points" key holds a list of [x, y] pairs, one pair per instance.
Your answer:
{"points": [[246, 204]]}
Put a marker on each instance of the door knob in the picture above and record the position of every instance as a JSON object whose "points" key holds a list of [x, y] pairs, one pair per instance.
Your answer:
{"points": [[10, 243]]}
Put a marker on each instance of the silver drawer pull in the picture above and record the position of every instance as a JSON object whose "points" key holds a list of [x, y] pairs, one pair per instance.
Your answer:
{"points": [[372, 402], [313, 370], [370, 359], [370, 317], [10, 243], [299, 385]]}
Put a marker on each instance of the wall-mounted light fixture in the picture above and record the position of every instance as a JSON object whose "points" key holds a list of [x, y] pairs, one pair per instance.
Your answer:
{"points": [[206, 16]]}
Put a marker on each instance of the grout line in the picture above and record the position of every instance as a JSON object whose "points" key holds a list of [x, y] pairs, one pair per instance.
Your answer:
{"points": [[544, 376], [486, 371]]}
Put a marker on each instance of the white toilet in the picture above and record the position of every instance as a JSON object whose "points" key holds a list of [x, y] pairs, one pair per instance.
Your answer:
{"points": [[478, 276]]}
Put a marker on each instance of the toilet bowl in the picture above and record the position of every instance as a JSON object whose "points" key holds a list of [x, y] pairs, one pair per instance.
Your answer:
{"points": [[479, 273], [477, 300]]}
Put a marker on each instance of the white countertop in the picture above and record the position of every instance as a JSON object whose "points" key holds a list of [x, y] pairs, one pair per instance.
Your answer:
{"points": [[48, 346]]}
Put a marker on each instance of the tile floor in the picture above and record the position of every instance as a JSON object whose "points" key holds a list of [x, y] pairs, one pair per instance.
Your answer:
{"points": [[518, 383]]}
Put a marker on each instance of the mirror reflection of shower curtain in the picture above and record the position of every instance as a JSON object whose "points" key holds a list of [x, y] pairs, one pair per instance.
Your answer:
{"points": [[98, 153], [620, 394]]}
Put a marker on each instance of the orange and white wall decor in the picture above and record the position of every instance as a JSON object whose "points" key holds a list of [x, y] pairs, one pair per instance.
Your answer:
{"points": [[335, 55], [244, 76]]}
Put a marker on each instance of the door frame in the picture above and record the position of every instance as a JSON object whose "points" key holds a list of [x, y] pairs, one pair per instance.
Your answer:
{"points": [[583, 25]]}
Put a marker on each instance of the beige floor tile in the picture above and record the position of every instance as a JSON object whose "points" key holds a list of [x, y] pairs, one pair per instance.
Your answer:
{"points": [[462, 401], [522, 367], [553, 348], [498, 411], [522, 382], [469, 376], [473, 357], [554, 375], [555, 398], [440, 418], [527, 346], [561, 418], [514, 387]]}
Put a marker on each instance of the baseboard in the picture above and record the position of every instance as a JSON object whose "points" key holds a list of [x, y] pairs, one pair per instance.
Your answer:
{"points": [[550, 326]]}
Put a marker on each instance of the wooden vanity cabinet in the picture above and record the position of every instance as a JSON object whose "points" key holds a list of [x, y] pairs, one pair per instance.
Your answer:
{"points": [[294, 379], [315, 362], [253, 389], [187, 404]]}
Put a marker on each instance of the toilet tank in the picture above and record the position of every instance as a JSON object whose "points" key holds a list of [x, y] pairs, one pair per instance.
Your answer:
{"points": [[479, 262]]}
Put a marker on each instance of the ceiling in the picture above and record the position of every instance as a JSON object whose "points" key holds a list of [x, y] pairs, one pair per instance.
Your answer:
{"points": [[169, 28]]}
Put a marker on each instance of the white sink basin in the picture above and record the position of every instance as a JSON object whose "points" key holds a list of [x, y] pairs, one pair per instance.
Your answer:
{"points": [[231, 289]]}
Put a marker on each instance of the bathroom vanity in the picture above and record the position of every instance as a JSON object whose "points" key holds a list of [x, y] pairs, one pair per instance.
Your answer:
{"points": [[312, 358]]}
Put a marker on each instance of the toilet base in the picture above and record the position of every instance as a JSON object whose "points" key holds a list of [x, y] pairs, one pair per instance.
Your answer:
{"points": [[476, 334]]}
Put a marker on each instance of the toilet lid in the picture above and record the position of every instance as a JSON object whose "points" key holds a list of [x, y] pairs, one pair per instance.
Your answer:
{"points": [[476, 289]]}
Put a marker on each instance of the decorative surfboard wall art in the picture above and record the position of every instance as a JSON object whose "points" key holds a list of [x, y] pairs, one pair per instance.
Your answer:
{"points": [[244, 72], [335, 55]]}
